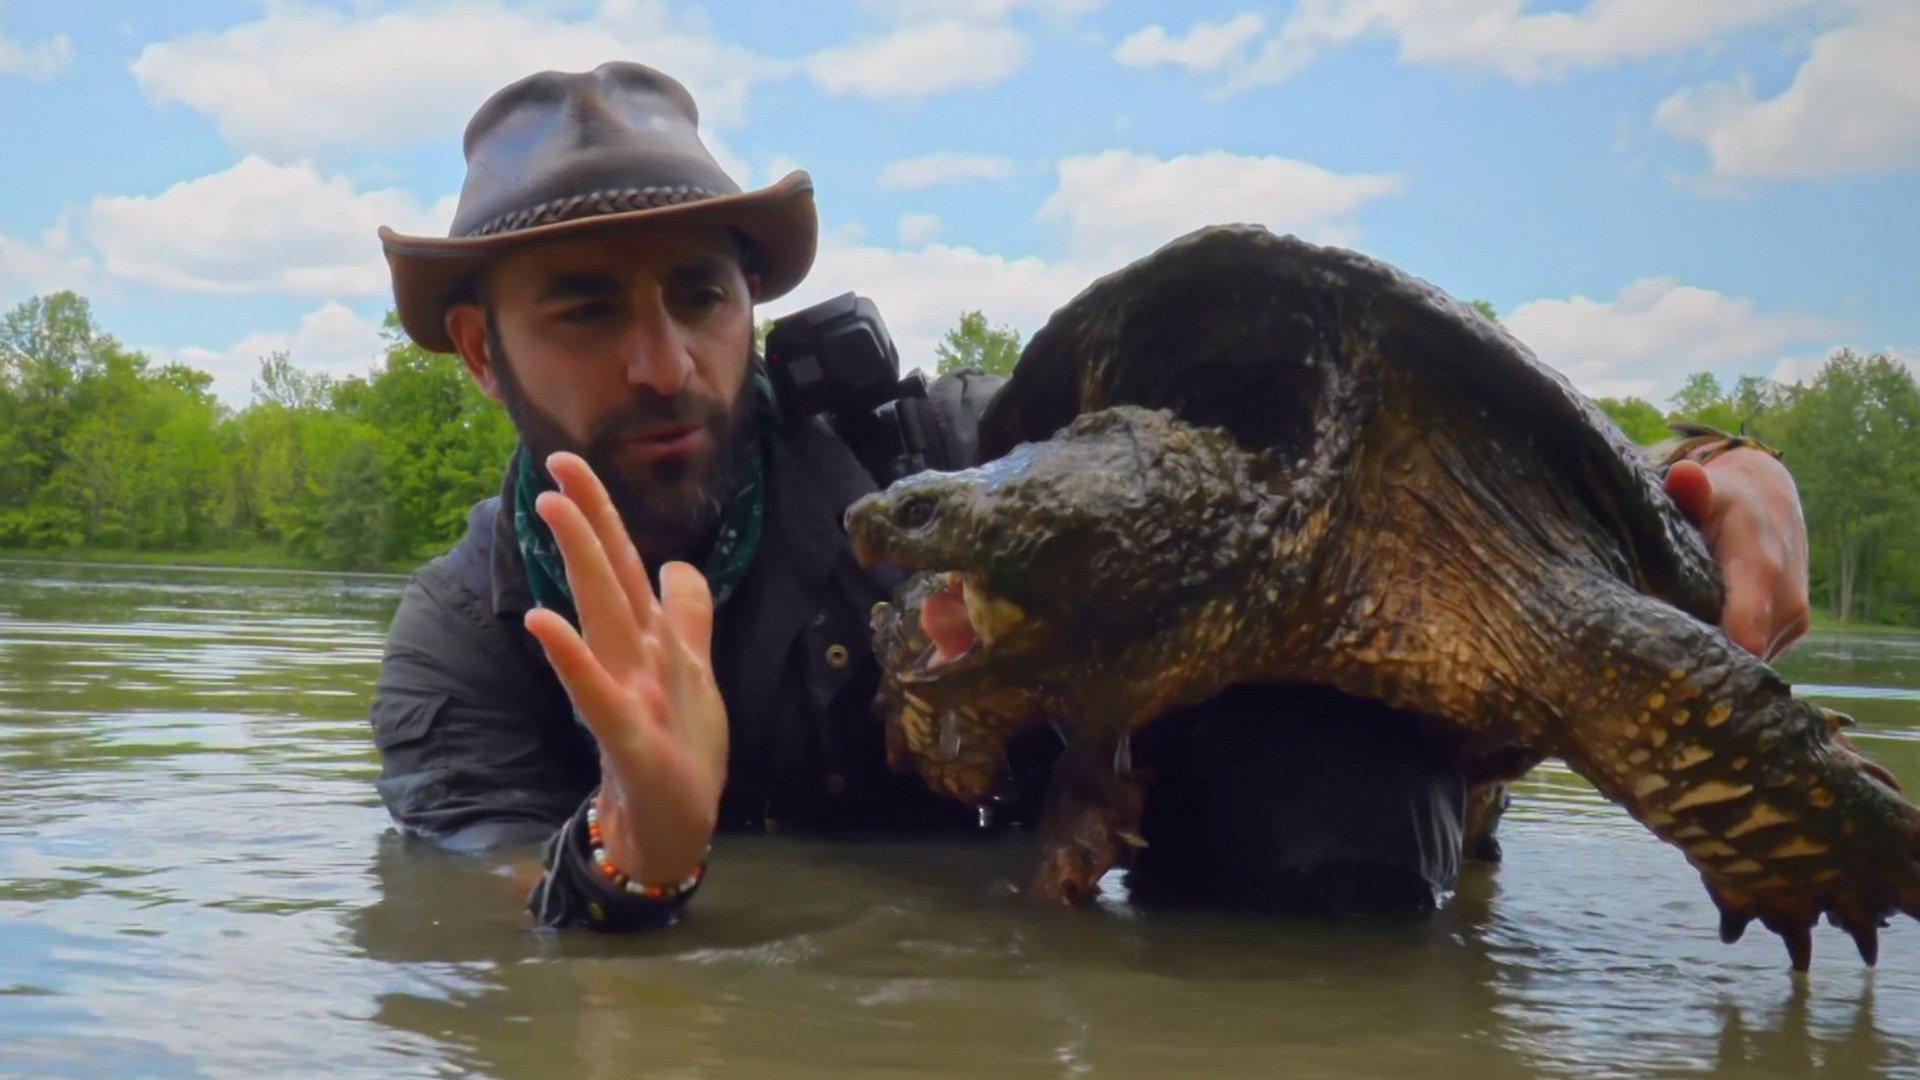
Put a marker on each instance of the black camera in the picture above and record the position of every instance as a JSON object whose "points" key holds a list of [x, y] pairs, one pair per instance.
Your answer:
{"points": [[836, 358]]}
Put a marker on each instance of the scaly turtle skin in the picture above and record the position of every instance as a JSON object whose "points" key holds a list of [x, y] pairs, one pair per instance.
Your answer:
{"points": [[1249, 459]]}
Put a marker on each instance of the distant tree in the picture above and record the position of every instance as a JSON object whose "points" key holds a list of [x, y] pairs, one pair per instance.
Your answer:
{"points": [[354, 519], [1852, 437], [1755, 397], [1638, 417], [972, 343], [1702, 400], [443, 441], [50, 334], [1485, 309], [281, 383], [48, 345]]}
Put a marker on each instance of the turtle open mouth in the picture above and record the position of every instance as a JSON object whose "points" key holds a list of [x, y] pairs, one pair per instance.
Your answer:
{"points": [[959, 620]]}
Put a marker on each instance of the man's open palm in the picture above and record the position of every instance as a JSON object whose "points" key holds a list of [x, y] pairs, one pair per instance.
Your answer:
{"points": [[640, 675]]}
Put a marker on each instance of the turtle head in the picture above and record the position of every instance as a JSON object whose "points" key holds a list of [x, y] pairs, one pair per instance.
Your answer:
{"points": [[1027, 566]]}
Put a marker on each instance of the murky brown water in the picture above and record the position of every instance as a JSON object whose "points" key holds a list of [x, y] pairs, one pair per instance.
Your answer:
{"points": [[197, 879]]}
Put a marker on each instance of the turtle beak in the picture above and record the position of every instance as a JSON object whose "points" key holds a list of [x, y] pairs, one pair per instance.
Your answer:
{"points": [[864, 523]]}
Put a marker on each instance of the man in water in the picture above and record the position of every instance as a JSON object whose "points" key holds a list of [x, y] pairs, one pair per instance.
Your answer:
{"points": [[657, 628]]}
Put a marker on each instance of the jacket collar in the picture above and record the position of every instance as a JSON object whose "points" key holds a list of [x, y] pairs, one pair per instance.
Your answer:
{"points": [[511, 596]]}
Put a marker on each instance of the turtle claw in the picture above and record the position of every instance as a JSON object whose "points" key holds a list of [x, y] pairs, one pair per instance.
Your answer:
{"points": [[1864, 927], [1867, 938], [1733, 925], [1734, 914], [1799, 939], [1796, 930]]}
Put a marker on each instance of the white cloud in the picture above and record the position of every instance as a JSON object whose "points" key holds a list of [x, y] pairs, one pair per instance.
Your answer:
{"points": [[39, 61], [922, 292], [331, 339], [923, 10], [929, 170], [1656, 332], [1522, 40], [43, 265], [1120, 204], [918, 229], [919, 59], [1115, 206], [303, 78], [1208, 46], [1854, 106], [258, 226]]}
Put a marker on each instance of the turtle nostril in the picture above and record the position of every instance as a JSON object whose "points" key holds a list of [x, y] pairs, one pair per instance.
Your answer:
{"points": [[915, 511]]}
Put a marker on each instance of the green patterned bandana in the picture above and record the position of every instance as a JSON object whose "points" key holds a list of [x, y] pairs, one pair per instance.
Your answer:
{"points": [[733, 544]]}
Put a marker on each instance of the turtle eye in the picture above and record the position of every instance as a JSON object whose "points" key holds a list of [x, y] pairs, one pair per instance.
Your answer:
{"points": [[915, 511]]}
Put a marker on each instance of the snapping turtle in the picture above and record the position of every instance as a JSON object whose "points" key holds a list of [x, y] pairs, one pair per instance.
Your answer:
{"points": [[1247, 458]]}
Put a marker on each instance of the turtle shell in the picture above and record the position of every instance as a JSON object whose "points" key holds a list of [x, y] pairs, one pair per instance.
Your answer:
{"points": [[1235, 327]]}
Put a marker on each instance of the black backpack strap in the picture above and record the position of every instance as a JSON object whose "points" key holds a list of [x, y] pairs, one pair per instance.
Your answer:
{"points": [[951, 415], [939, 430]]}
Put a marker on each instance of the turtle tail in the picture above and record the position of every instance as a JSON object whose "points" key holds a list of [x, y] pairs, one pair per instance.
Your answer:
{"points": [[1708, 748]]}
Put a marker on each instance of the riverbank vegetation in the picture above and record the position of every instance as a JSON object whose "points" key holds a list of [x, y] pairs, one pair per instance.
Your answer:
{"points": [[100, 448], [104, 451]]}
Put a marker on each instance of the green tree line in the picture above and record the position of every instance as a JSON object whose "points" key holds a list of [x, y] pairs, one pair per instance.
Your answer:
{"points": [[103, 449]]}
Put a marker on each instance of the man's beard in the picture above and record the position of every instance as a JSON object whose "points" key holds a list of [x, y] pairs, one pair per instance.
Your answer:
{"points": [[670, 510]]}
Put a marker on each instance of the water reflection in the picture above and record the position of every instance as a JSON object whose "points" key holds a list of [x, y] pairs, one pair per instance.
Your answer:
{"points": [[195, 877]]}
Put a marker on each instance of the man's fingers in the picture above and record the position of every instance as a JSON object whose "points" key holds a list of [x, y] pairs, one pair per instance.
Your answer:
{"points": [[1748, 615], [1691, 490], [578, 481], [689, 607], [605, 616], [595, 694]]}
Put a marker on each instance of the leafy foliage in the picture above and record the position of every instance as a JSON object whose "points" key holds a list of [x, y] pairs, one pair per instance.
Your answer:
{"points": [[98, 447], [973, 343], [1638, 417]]}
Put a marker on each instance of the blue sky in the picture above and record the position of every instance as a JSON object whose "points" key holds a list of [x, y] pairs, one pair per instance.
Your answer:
{"points": [[1643, 188]]}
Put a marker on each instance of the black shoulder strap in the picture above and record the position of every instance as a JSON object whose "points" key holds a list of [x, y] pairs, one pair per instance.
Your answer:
{"points": [[938, 430], [952, 408]]}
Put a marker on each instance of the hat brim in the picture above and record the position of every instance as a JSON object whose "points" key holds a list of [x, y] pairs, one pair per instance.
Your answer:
{"points": [[431, 272]]}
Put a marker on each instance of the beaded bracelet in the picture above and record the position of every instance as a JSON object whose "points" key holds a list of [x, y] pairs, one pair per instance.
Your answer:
{"points": [[622, 881]]}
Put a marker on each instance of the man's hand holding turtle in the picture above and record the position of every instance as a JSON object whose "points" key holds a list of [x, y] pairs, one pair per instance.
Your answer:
{"points": [[639, 674], [1746, 504]]}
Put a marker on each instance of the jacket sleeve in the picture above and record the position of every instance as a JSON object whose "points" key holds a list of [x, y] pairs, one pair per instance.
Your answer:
{"points": [[571, 892], [478, 749]]}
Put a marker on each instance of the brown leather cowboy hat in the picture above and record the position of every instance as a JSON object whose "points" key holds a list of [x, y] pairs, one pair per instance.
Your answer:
{"points": [[559, 153]]}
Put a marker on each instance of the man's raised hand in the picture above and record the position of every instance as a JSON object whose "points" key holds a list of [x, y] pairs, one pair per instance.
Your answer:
{"points": [[639, 673]]}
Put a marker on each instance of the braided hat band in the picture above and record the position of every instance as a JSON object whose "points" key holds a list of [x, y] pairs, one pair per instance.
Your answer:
{"points": [[587, 204]]}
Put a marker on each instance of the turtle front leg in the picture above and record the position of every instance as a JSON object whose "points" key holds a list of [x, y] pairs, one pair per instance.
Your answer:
{"points": [[1707, 747], [1486, 804], [1092, 818]]}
